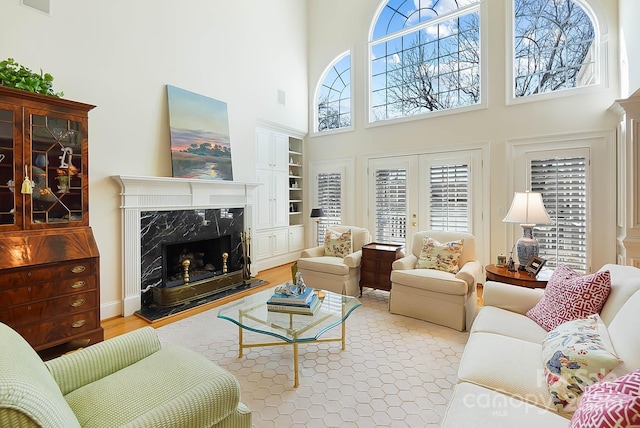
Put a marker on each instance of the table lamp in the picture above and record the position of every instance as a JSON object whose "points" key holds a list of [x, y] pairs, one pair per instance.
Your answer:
{"points": [[316, 213], [527, 209]]}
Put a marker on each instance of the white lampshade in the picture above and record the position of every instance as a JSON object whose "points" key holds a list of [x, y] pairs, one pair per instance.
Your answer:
{"points": [[527, 208]]}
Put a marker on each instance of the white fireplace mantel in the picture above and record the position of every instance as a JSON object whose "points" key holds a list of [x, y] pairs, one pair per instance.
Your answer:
{"points": [[139, 193]]}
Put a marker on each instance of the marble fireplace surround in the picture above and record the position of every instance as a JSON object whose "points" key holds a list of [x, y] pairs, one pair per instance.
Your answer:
{"points": [[141, 195]]}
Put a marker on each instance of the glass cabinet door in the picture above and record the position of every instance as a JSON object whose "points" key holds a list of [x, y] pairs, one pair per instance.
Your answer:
{"points": [[56, 170], [8, 179]]}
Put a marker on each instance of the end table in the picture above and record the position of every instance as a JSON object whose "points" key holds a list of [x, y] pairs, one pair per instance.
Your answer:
{"points": [[375, 267], [520, 277]]}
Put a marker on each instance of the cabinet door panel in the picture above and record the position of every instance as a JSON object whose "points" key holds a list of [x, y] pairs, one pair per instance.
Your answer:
{"points": [[280, 241], [280, 199], [263, 200]]}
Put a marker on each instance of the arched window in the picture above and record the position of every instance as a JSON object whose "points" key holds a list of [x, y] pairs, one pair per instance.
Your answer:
{"points": [[334, 96], [554, 46], [424, 57]]}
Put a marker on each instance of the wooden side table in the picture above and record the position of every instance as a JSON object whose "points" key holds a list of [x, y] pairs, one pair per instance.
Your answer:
{"points": [[375, 268], [520, 277]]}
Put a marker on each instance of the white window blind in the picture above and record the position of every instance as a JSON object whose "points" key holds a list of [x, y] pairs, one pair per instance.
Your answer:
{"points": [[391, 205], [330, 200], [449, 197], [563, 184]]}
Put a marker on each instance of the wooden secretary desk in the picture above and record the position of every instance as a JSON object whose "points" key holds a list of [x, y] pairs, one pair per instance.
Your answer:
{"points": [[49, 261]]}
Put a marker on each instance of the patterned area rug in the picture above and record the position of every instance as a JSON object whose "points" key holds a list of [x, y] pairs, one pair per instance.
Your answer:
{"points": [[395, 372]]}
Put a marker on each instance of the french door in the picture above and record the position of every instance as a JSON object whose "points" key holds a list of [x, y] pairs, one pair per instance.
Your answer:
{"points": [[438, 191]]}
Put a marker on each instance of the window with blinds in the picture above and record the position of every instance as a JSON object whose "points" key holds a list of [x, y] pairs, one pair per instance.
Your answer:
{"points": [[563, 184], [449, 197], [330, 200], [391, 205]]}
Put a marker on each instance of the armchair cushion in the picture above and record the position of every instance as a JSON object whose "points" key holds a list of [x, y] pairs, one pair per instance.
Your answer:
{"points": [[435, 255], [171, 387], [337, 244], [326, 264]]}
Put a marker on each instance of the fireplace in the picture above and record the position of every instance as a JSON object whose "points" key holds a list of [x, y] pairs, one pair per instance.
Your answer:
{"points": [[189, 254], [144, 197]]}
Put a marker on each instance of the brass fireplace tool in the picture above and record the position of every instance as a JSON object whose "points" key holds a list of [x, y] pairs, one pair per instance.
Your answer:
{"points": [[185, 270], [225, 256]]}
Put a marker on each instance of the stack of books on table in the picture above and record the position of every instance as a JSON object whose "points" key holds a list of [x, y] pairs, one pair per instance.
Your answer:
{"points": [[305, 303]]}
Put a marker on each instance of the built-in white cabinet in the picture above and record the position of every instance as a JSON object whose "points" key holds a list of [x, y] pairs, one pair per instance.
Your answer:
{"points": [[279, 214], [296, 238]]}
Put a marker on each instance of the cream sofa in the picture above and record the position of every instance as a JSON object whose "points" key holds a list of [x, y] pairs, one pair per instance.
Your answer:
{"points": [[500, 381]]}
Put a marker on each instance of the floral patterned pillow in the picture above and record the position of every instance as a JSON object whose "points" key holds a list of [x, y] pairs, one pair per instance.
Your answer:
{"points": [[435, 255], [337, 244], [575, 355]]}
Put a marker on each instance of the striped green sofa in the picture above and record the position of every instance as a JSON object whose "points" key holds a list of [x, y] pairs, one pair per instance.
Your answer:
{"points": [[129, 381]]}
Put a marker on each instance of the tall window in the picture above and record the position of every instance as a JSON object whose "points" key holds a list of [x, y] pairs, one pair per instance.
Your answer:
{"points": [[563, 184], [449, 197], [554, 46], [334, 96], [391, 205], [330, 200], [425, 56]]}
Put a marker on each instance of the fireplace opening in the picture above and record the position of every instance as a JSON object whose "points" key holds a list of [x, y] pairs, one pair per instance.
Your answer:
{"points": [[193, 261]]}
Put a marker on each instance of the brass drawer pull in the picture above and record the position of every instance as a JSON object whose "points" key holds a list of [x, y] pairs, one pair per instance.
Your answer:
{"points": [[78, 269], [77, 303], [79, 323], [79, 284]]}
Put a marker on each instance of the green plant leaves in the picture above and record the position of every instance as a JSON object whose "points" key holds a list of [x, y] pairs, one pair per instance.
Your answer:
{"points": [[14, 75]]}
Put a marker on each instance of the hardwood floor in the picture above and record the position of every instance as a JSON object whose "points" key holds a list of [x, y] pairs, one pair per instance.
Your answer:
{"points": [[119, 325]]}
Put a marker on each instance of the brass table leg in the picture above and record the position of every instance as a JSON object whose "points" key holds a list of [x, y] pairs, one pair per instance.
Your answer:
{"points": [[239, 342], [296, 382]]}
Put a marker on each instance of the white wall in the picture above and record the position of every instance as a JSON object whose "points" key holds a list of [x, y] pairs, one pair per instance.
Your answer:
{"points": [[499, 123], [120, 54], [629, 42]]}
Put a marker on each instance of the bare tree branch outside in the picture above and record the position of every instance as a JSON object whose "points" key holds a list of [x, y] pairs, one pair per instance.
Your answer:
{"points": [[437, 66]]}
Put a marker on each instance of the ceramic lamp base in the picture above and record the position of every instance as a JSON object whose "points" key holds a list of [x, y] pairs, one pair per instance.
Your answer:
{"points": [[527, 246]]}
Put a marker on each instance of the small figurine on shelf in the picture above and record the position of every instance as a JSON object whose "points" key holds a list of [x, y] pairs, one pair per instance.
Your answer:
{"points": [[511, 265]]}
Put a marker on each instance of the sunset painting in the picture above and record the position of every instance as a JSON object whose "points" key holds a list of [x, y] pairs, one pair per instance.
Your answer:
{"points": [[200, 143]]}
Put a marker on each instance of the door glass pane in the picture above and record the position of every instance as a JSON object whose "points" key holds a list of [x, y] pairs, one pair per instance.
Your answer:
{"points": [[391, 205], [330, 200], [56, 170], [563, 184], [449, 197], [7, 170]]}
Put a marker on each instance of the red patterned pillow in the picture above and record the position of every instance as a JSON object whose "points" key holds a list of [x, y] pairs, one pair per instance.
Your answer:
{"points": [[570, 296], [610, 404]]}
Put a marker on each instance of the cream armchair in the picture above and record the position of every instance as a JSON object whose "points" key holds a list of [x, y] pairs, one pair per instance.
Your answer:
{"points": [[336, 274], [434, 295]]}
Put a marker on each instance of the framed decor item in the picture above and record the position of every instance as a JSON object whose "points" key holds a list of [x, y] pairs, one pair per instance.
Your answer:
{"points": [[534, 266], [200, 143]]}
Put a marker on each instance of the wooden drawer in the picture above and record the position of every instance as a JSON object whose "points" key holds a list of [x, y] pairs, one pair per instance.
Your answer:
{"points": [[40, 311], [60, 329], [42, 273], [47, 290]]}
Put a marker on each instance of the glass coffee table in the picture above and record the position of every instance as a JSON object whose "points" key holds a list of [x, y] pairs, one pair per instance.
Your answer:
{"points": [[250, 313]]}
